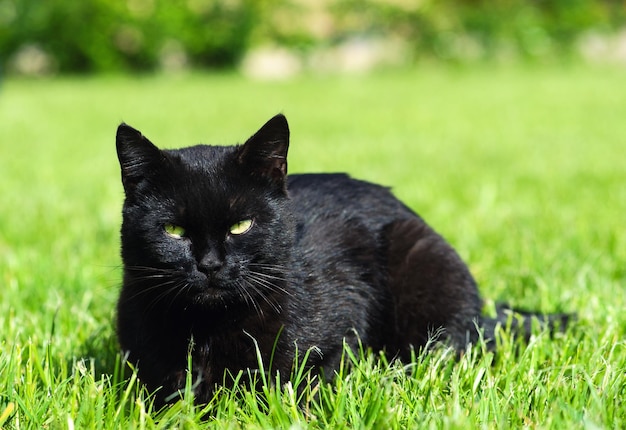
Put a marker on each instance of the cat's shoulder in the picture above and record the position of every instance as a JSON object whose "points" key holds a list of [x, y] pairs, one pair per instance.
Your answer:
{"points": [[341, 192], [330, 182], [313, 180]]}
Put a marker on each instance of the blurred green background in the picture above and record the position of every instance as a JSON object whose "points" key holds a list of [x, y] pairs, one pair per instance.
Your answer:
{"points": [[43, 37]]}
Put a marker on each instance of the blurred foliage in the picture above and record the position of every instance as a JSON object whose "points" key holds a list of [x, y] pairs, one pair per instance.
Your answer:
{"points": [[480, 29], [113, 35], [107, 35]]}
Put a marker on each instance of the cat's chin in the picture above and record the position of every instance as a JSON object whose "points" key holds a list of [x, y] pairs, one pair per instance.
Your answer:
{"points": [[212, 298], [208, 293]]}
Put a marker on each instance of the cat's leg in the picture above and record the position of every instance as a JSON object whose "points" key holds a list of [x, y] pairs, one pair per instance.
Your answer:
{"points": [[432, 290]]}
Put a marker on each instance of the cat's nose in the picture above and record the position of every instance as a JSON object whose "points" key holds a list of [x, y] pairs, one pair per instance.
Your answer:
{"points": [[210, 263]]}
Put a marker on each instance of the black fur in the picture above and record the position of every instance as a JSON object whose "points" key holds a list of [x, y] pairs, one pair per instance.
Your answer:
{"points": [[328, 259]]}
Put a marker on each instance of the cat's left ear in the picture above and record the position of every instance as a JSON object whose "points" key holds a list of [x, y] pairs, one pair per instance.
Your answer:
{"points": [[137, 155], [265, 153]]}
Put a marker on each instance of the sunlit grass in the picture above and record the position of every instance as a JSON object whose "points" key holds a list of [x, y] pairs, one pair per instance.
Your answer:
{"points": [[522, 170]]}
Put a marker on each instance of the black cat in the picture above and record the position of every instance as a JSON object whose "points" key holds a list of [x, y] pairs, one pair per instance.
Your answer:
{"points": [[223, 255]]}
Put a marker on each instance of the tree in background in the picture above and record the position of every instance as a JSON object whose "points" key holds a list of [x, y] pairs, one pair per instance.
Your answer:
{"points": [[142, 35]]}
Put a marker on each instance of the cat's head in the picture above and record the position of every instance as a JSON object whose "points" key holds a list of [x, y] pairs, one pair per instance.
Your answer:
{"points": [[206, 225]]}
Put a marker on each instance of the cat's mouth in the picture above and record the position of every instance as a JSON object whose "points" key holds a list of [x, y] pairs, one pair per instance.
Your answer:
{"points": [[211, 288]]}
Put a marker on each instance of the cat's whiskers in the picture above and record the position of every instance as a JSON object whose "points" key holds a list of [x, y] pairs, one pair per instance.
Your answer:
{"points": [[182, 286], [275, 267], [265, 281], [256, 284], [148, 269], [259, 310], [151, 288], [248, 298], [268, 279], [262, 287], [172, 285], [175, 285], [269, 276]]}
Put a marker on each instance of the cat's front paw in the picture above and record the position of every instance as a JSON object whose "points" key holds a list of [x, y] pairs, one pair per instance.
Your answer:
{"points": [[173, 388], [180, 384]]}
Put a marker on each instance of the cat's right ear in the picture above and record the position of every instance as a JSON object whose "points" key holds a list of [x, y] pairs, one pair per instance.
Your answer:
{"points": [[136, 155], [265, 153]]}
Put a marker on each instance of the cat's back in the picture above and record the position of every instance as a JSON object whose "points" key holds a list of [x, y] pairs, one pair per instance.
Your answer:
{"points": [[331, 195]]}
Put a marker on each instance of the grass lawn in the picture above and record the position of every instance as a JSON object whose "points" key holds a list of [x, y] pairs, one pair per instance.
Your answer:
{"points": [[523, 170]]}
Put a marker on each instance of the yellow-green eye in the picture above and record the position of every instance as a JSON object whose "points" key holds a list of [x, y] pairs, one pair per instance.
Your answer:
{"points": [[174, 231], [241, 227]]}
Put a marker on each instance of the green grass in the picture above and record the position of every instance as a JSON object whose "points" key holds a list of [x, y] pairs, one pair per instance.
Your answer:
{"points": [[523, 170]]}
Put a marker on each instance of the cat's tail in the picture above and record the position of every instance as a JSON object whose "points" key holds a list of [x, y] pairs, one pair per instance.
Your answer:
{"points": [[522, 323]]}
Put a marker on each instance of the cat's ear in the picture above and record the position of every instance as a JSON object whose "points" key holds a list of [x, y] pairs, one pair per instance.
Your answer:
{"points": [[137, 155], [265, 153]]}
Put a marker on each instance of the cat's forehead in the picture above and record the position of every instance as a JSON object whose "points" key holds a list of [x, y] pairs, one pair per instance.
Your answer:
{"points": [[201, 169], [206, 177], [203, 157]]}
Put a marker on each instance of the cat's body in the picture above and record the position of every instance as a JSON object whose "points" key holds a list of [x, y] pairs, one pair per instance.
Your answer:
{"points": [[224, 254]]}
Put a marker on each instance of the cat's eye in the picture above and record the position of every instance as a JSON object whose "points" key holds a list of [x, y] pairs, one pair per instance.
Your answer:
{"points": [[174, 231], [241, 227]]}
